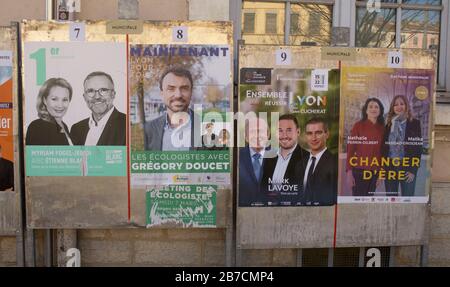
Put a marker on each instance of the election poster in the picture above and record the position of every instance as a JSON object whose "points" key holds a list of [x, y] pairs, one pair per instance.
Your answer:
{"points": [[181, 125], [75, 108], [182, 206], [386, 135], [6, 122], [176, 93], [289, 155]]}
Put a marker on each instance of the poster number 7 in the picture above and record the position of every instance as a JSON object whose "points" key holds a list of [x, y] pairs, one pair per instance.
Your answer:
{"points": [[77, 32]]}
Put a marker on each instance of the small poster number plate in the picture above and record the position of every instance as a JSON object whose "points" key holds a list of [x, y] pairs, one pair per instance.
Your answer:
{"points": [[77, 31], [283, 57], [180, 34], [395, 59]]}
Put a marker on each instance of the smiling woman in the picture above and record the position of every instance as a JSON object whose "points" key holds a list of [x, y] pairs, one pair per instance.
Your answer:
{"points": [[52, 104]]}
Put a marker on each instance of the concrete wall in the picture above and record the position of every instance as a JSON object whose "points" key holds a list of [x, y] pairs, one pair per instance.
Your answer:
{"points": [[7, 251], [217, 10], [21, 9], [148, 10]]}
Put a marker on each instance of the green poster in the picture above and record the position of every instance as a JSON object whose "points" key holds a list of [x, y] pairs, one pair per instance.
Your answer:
{"points": [[76, 161], [182, 205]]}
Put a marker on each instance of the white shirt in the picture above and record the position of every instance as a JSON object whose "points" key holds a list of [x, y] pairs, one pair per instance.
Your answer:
{"points": [[282, 164], [179, 138], [308, 166], [96, 128]]}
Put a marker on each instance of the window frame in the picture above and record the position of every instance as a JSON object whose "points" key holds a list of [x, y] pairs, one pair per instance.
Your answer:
{"points": [[444, 33]]}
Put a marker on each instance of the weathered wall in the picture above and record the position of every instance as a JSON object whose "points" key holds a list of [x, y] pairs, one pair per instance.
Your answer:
{"points": [[155, 247], [217, 10], [7, 251], [439, 249], [21, 9]]}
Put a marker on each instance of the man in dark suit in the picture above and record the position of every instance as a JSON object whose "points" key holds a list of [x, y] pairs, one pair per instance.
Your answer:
{"points": [[106, 126], [320, 176], [252, 159], [6, 173], [174, 130], [282, 174]]}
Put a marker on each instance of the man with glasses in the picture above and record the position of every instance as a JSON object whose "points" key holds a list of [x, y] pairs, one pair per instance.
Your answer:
{"points": [[106, 126]]}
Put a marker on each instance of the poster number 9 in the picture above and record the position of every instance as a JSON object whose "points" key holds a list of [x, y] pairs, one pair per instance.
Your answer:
{"points": [[179, 34], [283, 57]]}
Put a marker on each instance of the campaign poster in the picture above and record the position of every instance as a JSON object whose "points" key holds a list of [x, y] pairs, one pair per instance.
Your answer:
{"points": [[75, 108], [182, 206], [181, 120], [6, 122], [386, 128], [289, 156], [176, 92]]}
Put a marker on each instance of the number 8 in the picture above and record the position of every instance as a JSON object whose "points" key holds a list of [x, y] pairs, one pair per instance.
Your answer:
{"points": [[179, 34]]}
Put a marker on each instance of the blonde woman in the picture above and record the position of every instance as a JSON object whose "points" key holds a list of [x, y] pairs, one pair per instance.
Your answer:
{"points": [[402, 139], [52, 103]]}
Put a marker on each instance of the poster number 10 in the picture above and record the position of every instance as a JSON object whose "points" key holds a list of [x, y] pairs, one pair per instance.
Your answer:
{"points": [[41, 63], [395, 60]]}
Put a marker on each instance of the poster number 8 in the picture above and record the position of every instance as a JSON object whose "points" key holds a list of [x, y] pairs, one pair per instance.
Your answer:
{"points": [[283, 57], [179, 34], [395, 59]]}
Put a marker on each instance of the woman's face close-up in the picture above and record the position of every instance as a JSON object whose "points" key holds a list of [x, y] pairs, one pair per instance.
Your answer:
{"points": [[373, 110], [399, 107], [57, 102]]}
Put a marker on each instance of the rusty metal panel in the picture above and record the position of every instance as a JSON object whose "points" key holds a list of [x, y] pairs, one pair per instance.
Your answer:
{"points": [[284, 227], [103, 201], [9, 200], [359, 224], [281, 227], [382, 224], [9, 213], [74, 201]]}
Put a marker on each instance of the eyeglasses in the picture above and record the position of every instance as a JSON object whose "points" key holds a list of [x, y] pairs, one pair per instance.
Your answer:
{"points": [[102, 91]]}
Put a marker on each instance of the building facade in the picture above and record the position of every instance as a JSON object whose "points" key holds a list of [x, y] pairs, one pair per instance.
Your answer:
{"points": [[423, 24]]}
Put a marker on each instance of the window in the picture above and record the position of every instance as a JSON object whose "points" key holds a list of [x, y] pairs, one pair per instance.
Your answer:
{"points": [[423, 25], [271, 23], [249, 22], [305, 22], [400, 24], [263, 22], [313, 24], [376, 29], [294, 24]]}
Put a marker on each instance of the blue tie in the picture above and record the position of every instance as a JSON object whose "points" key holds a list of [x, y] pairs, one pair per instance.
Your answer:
{"points": [[257, 166]]}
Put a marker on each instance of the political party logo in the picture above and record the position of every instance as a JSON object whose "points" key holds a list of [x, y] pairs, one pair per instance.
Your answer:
{"points": [[319, 80], [256, 76], [180, 178]]}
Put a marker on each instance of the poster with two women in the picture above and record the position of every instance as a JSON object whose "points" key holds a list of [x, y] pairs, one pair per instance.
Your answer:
{"points": [[385, 135]]}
